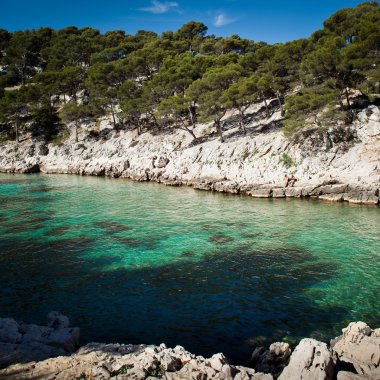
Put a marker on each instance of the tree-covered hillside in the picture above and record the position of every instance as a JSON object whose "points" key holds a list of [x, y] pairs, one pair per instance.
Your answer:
{"points": [[49, 78]]}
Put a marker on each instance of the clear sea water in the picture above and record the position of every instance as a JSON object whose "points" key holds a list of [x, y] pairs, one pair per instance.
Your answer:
{"points": [[144, 263]]}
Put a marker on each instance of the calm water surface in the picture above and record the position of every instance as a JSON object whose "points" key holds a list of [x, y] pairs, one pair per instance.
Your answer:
{"points": [[144, 263]]}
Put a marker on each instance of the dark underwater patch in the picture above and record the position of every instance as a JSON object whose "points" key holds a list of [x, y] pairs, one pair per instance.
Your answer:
{"points": [[250, 235], [236, 224], [220, 239], [15, 199], [208, 227], [59, 230], [128, 241], [112, 227], [277, 234], [40, 189], [188, 254], [27, 220], [14, 181], [24, 227], [214, 304]]}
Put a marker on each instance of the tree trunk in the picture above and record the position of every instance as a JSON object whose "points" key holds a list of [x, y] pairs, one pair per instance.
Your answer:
{"points": [[76, 131], [23, 72], [155, 122], [219, 129], [241, 121], [317, 121], [189, 131], [16, 130], [266, 108], [113, 117], [279, 102], [192, 115], [348, 99]]}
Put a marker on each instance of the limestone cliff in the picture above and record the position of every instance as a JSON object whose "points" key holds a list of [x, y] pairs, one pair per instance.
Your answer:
{"points": [[255, 163]]}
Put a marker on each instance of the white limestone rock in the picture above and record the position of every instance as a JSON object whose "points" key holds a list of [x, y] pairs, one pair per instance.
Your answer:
{"points": [[311, 360], [217, 361], [344, 375], [239, 163], [360, 346]]}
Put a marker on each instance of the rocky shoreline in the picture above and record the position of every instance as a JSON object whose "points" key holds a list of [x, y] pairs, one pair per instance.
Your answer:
{"points": [[252, 164], [50, 352]]}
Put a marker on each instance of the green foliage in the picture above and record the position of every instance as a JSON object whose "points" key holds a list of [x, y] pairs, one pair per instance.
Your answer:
{"points": [[45, 121], [209, 89], [123, 370], [150, 81], [286, 160], [72, 113], [14, 109], [311, 106], [158, 372], [61, 137]]}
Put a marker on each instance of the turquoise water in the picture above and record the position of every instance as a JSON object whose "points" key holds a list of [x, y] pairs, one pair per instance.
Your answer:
{"points": [[144, 263]]}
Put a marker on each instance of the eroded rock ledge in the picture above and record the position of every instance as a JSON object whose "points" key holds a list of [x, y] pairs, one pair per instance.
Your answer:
{"points": [[326, 191], [357, 351]]}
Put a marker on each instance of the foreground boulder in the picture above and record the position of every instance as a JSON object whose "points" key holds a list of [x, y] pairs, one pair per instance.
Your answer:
{"points": [[273, 360], [21, 342], [360, 346], [311, 360]]}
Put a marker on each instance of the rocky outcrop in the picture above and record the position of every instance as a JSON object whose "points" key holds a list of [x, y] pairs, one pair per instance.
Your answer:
{"points": [[360, 346], [311, 360], [20, 342], [336, 193], [253, 164], [272, 360], [118, 361]]}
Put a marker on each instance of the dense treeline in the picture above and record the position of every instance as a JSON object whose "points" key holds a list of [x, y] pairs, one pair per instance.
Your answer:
{"points": [[173, 80]]}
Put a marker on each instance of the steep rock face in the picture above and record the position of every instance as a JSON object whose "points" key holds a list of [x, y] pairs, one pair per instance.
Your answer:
{"points": [[173, 158]]}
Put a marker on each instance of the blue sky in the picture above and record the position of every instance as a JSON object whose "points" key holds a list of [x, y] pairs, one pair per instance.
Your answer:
{"points": [[260, 20]]}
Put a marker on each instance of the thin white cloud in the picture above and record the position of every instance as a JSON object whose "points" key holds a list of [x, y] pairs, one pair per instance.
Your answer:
{"points": [[222, 19], [158, 7]]}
